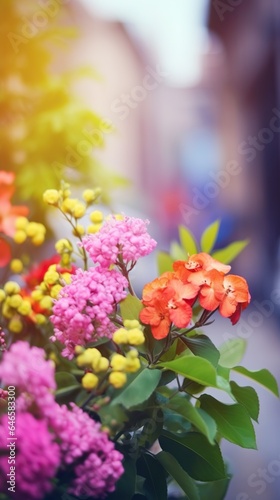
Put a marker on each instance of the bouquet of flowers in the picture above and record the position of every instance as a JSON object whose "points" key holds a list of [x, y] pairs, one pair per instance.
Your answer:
{"points": [[105, 394]]}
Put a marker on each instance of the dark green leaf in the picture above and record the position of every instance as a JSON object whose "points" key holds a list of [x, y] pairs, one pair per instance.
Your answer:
{"points": [[233, 421], [232, 352], [139, 389], [126, 485], [209, 237], [187, 240], [169, 462], [130, 307], [216, 490], [65, 379], [263, 377], [229, 253], [202, 346], [199, 418], [247, 397], [202, 460], [155, 486]]}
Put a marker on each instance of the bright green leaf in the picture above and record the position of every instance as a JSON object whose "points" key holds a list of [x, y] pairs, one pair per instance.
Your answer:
{"points": [[209, 237], [139, 389], [130, 307], [263, 377], [194, 368], [200, 459], [232, 352], [215, 490], [187, 240], [181, 477], [247, 397], [164, 262], [233, 421], [229, 253], [177, 252]]}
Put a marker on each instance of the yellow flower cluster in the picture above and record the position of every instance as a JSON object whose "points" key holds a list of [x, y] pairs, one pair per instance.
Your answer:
{"points": [[92, 360], [131, 334], [28, 229], [65, 249], [74, 209], [49, 289], [14, 306]]}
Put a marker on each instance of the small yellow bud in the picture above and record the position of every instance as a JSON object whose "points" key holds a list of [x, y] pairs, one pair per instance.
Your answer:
{"points": [[19, 236], [46, 302], [31, 229], [133, 365], [118, 216], [131, 323], [51, 196], [93, 228], [89, 195], [15, 301], [79, 210], [37, 294], [51, 277], [15, 325], [38, 239], [66, 277], [135, 336], [63, 245], [21, 223], [55, 291], [7, 311], [88, 356], [24, 308], [133, 353], [117, 379], [2, 295], [54, 358], [79, 230], [100, 365], [68, 205], [16, 266], [118, 362], [79, 349], [40, 319], [120, 336], [89, 381], [96, 216], [65, 260], [11, 287]]}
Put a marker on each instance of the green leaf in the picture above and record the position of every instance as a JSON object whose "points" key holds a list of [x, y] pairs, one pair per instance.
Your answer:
{"points": [[187, 240], [247, 397], [232, 352], [139, 389], [164, 262], [202, 346], [233, 421], [181, 477], [177, 252], [155, 486], [193, 367], [199, 418], [216, 490], [65, 380], [229, 253], [263, 377], [200, 459], [209, 237], [130, 307]]}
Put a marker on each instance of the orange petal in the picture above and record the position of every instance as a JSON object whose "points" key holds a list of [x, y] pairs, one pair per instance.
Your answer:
{"points": [[161, 331], [181, 316]]}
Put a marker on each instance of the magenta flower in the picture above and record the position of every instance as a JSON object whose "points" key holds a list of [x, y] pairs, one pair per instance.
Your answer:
{"points": [[81, 312], [119, 241], [37, 457]]}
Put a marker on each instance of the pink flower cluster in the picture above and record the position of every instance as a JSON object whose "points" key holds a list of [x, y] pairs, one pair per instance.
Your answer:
{"points": [[37, 457], [55, 437], [81, 437], [27, 369], [81, 312], [119, 240]]}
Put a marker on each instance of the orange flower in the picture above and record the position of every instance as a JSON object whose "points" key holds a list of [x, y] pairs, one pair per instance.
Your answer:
{"points": [[198, 262], [179, 296], [236, 297], [157, 316], [150, 289], [211, 288]]}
